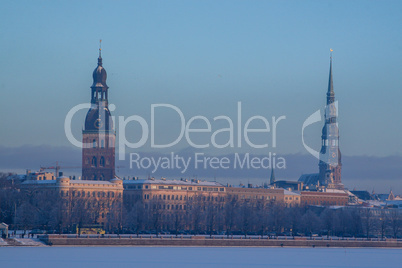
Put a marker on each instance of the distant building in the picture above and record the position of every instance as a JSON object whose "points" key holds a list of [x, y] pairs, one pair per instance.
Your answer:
{"points": [[97, 198], [289, 185], [363, 195], [82, 201], [98, 136], [330, 164], [285, 197], [40, 176], [324, 198], [330, 156]]}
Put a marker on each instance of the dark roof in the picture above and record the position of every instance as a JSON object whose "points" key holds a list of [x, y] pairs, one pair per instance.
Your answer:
{"points": [[99, 75], [363, 195], [309, 179]]}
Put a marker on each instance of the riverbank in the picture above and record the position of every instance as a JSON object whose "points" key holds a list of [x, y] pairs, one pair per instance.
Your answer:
{"points": [[202, 241], [21, 242]]}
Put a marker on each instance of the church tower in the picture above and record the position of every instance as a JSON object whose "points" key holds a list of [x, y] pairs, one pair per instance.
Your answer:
{"points": [[330, 164], [98, 136]]}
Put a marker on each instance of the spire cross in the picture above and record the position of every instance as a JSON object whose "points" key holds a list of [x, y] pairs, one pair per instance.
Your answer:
{"points": [[100, 47]]}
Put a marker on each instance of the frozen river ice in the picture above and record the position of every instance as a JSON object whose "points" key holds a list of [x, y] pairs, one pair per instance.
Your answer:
{"points": [[76, 257]]}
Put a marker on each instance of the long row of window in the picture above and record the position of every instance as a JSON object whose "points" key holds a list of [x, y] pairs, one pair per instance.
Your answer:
{"points": [[170, 187], [132, 198], [262, 197], [180, 197], [89, 205], [89, 194], [290, 198], [180, 207]]}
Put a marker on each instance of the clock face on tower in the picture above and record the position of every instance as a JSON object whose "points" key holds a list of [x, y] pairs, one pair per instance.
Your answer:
{"points": [[98, 123]]}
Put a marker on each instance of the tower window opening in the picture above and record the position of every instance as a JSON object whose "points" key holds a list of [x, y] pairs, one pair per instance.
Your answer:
{"points": [[102, 144], [94, 161], [102, 161], [94, 143]]}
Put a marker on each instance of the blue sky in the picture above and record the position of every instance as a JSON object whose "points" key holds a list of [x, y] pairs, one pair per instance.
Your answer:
{"points": [[204, 57]]}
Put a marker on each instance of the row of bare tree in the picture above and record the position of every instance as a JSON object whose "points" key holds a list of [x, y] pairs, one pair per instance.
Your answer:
{"points": [[30, 210], [259, 218]]}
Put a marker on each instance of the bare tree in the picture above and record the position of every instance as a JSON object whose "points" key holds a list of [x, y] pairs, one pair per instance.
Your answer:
{"points": [[327, 219], [310, 222], [395, 220], [293, 219], [367, 220], [229, 211]]}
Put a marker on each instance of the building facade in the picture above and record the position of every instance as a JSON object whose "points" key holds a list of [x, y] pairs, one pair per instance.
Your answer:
{"points": [[77, 202], [311, 198], [98, 136]]}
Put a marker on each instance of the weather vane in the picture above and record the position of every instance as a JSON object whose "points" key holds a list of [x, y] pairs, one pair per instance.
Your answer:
{"points": [[331, 51]]}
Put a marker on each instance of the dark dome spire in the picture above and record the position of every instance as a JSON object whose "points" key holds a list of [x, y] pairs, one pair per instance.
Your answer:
{"points": [[99, 75]]}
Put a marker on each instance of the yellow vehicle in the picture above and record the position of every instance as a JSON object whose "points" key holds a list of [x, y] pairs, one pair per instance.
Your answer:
{"points": [[90, 230]]}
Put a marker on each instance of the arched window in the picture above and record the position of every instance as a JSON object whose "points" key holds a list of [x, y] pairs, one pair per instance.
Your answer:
{"points": [[94, 161], [94, 143], [102, 161]]}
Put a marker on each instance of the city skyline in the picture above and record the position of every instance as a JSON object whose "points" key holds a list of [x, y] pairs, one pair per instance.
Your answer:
{"points": [[217, 67]]}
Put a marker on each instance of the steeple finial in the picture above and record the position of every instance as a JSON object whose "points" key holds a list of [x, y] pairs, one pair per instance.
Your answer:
{"points": [[100, 48], [100, 53]]}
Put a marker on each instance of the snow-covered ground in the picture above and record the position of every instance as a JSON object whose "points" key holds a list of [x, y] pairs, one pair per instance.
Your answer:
{"points": [[29, 242], [76, 257], [22, 242]]}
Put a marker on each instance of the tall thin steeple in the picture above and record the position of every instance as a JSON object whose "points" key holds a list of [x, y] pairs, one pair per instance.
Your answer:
{"points": [[330, 164], [272, 179], [330, 93]]}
